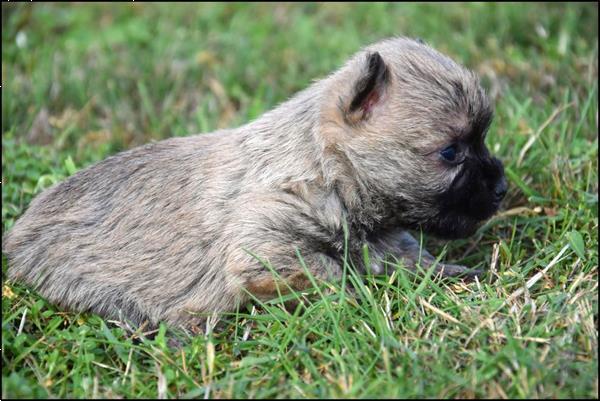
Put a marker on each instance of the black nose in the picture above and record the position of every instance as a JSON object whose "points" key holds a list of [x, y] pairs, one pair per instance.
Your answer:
{"points": [[500, 189]]}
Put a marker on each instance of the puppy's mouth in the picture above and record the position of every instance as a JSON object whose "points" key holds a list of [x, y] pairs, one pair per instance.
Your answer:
{"points": [[474, 196], [452, 226]]}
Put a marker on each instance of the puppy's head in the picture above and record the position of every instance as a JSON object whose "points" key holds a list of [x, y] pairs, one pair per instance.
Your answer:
{"points": [[410, 124]]}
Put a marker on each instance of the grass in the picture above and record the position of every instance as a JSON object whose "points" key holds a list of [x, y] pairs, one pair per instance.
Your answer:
{"points": [[80, 82]]}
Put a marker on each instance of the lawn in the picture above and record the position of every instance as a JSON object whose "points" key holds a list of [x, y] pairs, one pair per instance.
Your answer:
{"points": [[83, 81]]}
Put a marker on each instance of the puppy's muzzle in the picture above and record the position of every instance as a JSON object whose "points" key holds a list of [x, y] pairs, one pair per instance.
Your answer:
{"points": [[500, 190], [500, 185]]}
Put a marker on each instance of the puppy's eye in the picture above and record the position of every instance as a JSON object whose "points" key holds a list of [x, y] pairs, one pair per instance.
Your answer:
{"points": [[450, 153]]}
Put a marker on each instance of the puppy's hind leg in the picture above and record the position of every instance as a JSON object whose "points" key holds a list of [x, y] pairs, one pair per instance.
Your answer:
{"points": [[288, 274]]}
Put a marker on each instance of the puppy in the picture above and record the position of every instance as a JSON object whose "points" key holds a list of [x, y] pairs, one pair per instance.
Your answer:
{"points": [[393, 140]]}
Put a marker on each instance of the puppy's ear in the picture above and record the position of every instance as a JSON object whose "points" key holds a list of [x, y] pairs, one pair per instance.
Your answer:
{"points": [[368, 89]]}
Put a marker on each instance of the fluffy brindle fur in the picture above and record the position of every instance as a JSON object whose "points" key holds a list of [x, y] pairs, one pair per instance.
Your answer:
{"points": [[182, 226]]}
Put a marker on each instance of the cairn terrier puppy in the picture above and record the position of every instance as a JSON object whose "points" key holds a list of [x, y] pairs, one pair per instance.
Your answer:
{"points": [[393, 140]]}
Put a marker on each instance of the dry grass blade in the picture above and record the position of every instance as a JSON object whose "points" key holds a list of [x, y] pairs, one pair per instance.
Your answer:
{"points": [[524, 338], [518, 292], [22, 322], [536, 277], [534, 137], [494, 262], [162, 383], [439, 312]]}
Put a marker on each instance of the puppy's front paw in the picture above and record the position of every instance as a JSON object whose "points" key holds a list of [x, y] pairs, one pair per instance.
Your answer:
{"points": [[466, 273]]}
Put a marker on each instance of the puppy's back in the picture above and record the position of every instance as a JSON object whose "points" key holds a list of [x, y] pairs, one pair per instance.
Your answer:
{"points": [[115, 234]]}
